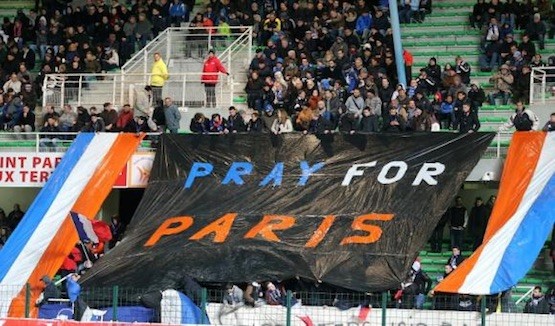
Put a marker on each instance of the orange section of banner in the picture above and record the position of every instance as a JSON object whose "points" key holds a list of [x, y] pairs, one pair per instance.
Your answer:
{"points": [[518, 170], [88, 204]]}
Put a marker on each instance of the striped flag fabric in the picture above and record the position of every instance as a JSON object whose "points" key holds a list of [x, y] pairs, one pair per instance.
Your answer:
{"points": [[47, 233], [521, 221], [84, 228]]}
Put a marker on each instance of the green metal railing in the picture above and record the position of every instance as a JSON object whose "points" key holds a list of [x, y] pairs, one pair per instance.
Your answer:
{"points": [[297, 308]]}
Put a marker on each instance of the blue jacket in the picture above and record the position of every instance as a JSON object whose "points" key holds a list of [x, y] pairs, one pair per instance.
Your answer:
{"points": [[177, 10], [363, 22], [446, 107]]}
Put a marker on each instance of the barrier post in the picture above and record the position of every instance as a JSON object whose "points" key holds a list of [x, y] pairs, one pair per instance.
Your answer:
{"points": [[115, 295], [483, 310], [384, 308], [203, 299], [27, 300], [288, 304]]}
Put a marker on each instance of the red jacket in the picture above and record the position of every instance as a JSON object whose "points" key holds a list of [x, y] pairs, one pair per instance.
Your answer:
{"points": [[210, 70]]}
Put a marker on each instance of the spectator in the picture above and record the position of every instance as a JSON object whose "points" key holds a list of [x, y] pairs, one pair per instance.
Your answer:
{"points": [[172, 116], [252, 295], [522, 84], [254, 89], [369, 121], [29, 96], [158, 77], [110, 116], [458, 222], [83, 119], [13, 83], [235, 122], [178, 12], [463, 70], [456, 258], [50, 291], [477, 15], [143, 102], [447, 113], [199, 124], [255, 124], [502, 83], [233, 295], [476, 96], [537, 304], [523, 119], [550, 125], [477, 222], [217, 123], [536, 30], [138, 125], [97, 124], [210, 69], [67, 119], [109, 59], [26, 122], [124, 117], [467, 121], [394, 122], [282, 124], [355, 104], [418, 285], [15, 216], [143, 30], [274, 296], [50, 141]]}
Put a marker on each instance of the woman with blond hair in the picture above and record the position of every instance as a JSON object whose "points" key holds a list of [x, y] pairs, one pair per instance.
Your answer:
{"points": [[282, 123]]}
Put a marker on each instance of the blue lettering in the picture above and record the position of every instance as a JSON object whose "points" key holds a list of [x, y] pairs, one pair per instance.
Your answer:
{"points": [[198, 169], [236, 170], [307, 171], [276, 174]]}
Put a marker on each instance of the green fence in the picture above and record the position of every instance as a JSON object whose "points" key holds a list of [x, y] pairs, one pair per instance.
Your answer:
{"points": [[303, 308]]}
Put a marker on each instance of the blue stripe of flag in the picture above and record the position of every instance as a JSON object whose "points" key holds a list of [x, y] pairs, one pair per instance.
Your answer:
{"points": [[42, 203], [528, 240]]}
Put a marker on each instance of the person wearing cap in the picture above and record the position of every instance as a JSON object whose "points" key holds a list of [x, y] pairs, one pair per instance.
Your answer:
{"points": [[502, 83], [212, 66], [158, 76], [536, 29]]}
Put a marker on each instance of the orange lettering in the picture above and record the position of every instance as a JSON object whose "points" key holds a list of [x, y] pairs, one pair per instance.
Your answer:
{"points": [[373, 232], [170, 226], [321, 232], [269, 223], [219, 227]]}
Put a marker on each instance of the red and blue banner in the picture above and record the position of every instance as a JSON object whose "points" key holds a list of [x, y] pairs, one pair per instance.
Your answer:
{"points": [[47, 233], [521, 221]]}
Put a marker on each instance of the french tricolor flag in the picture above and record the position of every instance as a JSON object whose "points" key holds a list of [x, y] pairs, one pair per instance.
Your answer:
{"points": [[84, 228], [520, 223]]}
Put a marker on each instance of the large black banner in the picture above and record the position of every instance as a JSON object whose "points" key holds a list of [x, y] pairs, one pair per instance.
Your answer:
{"points": [[347, 210]]}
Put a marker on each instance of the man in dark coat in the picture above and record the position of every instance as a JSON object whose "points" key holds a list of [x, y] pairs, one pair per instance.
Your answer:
{"points": [[477, 222]]}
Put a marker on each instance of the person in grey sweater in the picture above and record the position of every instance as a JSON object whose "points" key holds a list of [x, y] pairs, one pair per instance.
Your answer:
{"points": [[171, 112], [355, 103]]}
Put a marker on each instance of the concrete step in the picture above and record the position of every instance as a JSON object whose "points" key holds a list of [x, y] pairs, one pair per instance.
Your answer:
{"points": [[415, 29]]}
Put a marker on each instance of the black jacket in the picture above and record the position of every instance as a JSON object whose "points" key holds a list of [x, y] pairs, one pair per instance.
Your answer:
{"points": [[235, 123], [369, 123], [199, 127], [466, 122]]}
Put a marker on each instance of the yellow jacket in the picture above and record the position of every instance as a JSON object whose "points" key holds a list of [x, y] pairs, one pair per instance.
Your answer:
{"points": [[159, 73]]}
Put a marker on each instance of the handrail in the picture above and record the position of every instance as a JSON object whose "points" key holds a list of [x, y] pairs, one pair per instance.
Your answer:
{"points": [[524, 295], [131, 62], [540, 75]]}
